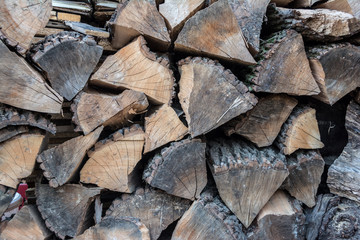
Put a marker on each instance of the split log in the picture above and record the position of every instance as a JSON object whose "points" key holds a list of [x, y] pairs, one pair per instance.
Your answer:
{"points": [[139, 17], [335, 68], [349, 6], [72, 7], [6, 196], [300, 131], [262, 124], [61, 163], [112, 163], [21, 20], [12, 131], [245, 176], [343, 175], [180, 169], [68, 59], [88, 29], [135, 67], [305, 168], [333, 218], [94, 109], [161, 127], [304, 3], [281, 3], [156, 209], [27, 223], [204, 34], [206, 85], [67, 210], [283, 66], [25, 88]]}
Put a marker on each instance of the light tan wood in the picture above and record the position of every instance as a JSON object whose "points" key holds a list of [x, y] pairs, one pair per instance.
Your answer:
{"points": [[48, 31], [61, 16], [349, 6], [278, 204]]}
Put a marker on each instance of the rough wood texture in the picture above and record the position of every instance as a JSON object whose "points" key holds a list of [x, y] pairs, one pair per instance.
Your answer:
{"points": [[21, 20], [66, 210], [262, 124], [88, 29], [333, 218], [139, 17], [335, 68], [245, 176], [305, 168], [343, 175], [349, 6], [204, 34], [61, 163], [135, 67], [304, 3], [68, 59], [300, 131], [24, 87], [93, 109], [111, 164], [82, 8], [283, 66], [206, 85], [27, 224], [6, 195], [281, 3], [161, 127], [12, 131], [180, 169]]}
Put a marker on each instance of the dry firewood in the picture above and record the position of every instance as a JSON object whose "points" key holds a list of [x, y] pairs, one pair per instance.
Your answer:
{"points": [[205, 85], [88, 29], [68, 59], [304, 3], [262, 124], [281, 3], [245, 176], [204, 34], [305, 170], [333, 218], [61, 163], [67, 210], [357, 96], [94, 109], [300, 131], [6, 196], [161, 127], [112, 163], [20, 21], [135, 67], [12, 131], [283, 66], [180, 169], [343, 175], [27, 223], [335, 68], [25, 88], [349, 6], [105, 5], [139, 17], [72, 7]]}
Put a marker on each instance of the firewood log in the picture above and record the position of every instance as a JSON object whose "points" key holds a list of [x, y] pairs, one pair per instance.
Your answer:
{"points": [[67, 210], [156, 209], [205, 85], [180, 169], [77, 7], [349, 6], [304, 3], [6, 196], [245, 176], [61, 163], [357, 96], [281, 3], [88, 29], [262, 124], [12, 131], [112, 163], [135, 67]]}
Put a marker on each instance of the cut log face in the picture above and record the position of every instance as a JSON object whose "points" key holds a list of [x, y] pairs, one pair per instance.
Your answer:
{"points": [[66, 209], [205, 85], [6, 196], [343, 175], [27, 222], [180, 169], [21, 20], [283, 66], [61, 163], [12, 131], [161, 127], [139, 17], [68, 59], [335, 68], [300, 131], [156, 209], [23, 87], [111, 164], [18, 157], [135, 67], [262, 124], [349, 6], [94, 109], [204, 34], [245, 176], [305, 168]]}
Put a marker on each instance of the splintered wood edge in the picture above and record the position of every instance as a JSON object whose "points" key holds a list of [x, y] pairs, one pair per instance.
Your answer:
{"points": [[73, 108]]}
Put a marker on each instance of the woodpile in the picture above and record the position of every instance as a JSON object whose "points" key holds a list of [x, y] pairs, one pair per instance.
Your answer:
{"points": [[181, 120]]}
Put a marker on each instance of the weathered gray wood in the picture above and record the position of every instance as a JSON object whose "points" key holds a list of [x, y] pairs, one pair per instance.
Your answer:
{"points": [[6, 195], [349, 6], [87, 29], [12, 131]]}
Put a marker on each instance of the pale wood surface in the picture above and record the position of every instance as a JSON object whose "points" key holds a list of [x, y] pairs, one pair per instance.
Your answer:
{"points": [[349, 6]]}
